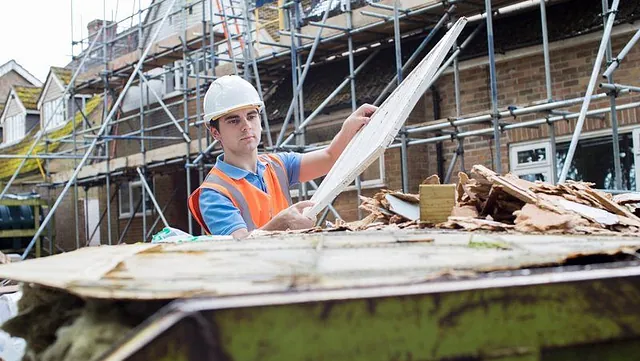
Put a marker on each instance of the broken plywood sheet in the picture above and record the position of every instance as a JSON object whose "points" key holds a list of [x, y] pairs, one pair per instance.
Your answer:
{"points": [[627, 198], [385, 123], [295, 262], [300, 262], [410, 211], [532, 218]]}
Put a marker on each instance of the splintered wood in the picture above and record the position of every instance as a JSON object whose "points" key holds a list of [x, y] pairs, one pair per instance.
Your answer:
{"points": [[372, 140], [572, 207], [487, 201]]}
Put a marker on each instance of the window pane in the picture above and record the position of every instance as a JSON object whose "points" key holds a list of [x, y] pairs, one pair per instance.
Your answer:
{"points": [[136, 196], [532, 155], [533, 177], [125, 206], [593, 162]]}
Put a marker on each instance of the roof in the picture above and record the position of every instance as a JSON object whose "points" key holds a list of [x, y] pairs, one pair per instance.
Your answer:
{"points": [[301, 263], [565, 20], [13, 65], [8, 166], [63, 74], [28, 96]]}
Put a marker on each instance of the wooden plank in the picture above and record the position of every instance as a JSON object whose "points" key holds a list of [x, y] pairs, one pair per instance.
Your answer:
{"points": [[11, 233], [508, 186], [372, 140], [295, 263], [436, 202]]}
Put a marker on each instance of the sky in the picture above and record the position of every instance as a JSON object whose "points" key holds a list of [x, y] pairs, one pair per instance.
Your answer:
{"points": [[38, 33]]}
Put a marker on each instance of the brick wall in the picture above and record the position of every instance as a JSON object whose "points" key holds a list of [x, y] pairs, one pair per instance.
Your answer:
{"points": [[170, 187]]}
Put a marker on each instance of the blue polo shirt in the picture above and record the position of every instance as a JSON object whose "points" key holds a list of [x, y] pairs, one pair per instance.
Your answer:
{"points": [[219, 213]]}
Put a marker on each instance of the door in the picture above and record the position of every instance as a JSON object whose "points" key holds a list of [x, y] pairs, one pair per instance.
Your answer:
{"points": [[92, 219]]}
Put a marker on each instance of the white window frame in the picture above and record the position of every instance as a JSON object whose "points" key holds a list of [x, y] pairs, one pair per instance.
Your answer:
{"points": [[532, 168], [635, 134], [131, 185], [175, 76], [59, 119], [14, 128], [544, 167]]}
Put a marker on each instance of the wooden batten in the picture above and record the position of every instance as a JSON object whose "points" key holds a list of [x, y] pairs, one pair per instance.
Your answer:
{"points": [[436, 202]]}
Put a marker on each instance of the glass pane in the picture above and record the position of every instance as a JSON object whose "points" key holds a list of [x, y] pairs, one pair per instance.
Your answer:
{"points": [[532, 155], [136, 196], [593, 162], [533, 177], [125, 207]]}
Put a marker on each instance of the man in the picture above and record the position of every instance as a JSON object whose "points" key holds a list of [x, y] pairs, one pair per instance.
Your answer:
{"points": [[246, 191]]}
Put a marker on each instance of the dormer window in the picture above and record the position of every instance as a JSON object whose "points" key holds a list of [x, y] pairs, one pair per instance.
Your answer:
{"points": [[53, 114], [14, 128]]}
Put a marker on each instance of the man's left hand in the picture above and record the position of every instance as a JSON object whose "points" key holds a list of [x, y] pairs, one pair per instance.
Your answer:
{"points": [[358, 119]]}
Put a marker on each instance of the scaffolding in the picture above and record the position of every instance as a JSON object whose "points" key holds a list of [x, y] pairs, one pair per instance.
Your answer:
{"points": [[227, 39]]}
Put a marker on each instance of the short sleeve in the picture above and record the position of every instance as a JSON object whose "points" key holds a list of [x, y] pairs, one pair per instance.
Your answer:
{"points": [[219, 213], [291, 162]]}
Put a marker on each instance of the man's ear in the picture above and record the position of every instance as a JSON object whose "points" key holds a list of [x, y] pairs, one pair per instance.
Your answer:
{"points": [[215, 134]]}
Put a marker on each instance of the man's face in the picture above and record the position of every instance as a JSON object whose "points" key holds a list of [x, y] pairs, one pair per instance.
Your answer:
{"points": [[239, 131]]}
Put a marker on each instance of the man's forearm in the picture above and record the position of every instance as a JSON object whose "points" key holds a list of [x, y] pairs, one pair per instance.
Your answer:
{"points": [[338, 145]]}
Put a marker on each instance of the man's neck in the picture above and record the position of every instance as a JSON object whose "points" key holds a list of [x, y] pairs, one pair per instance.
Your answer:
{"points": [[246, 161]]}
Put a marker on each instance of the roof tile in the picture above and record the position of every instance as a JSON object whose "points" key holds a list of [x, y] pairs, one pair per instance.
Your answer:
{"points": [[28, 95]]}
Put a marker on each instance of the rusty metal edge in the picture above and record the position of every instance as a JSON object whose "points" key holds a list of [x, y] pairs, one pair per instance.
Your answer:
{"points": [[177, 310]]}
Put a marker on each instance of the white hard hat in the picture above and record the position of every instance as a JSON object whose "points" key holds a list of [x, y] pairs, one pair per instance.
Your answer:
{"points": [[227, 94]]}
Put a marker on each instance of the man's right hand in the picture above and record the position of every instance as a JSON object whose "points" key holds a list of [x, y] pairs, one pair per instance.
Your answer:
{"points": [[291, 218]]}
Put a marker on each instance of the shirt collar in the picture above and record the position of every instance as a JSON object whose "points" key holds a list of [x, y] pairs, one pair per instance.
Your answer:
{"points": [[237, 173]]}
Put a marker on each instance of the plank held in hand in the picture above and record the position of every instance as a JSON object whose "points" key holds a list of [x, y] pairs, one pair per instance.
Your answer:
{"points": [[384, 125]]}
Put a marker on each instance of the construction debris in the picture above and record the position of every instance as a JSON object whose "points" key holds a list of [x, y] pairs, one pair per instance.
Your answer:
{"points": [[487, 201]]}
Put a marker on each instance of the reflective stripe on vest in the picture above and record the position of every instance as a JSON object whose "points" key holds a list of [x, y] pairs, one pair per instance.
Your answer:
{"points": [[281, 173], [238, 199]]}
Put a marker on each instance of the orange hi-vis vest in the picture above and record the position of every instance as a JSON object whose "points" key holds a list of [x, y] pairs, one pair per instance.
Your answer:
{"points": [[256, 207]]}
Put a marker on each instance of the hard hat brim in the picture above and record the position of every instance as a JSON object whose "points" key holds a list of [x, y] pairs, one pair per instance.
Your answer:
{"points": [[217, 115]]}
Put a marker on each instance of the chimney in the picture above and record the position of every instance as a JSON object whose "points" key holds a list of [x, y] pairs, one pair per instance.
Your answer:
{"points": [[94, 27]]}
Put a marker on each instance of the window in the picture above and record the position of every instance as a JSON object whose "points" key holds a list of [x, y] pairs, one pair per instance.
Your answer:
{"points": [[14, 128], [532, 162], [197, 66], [53, 114], [592, 161], [130, 194], [172, 78]]}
